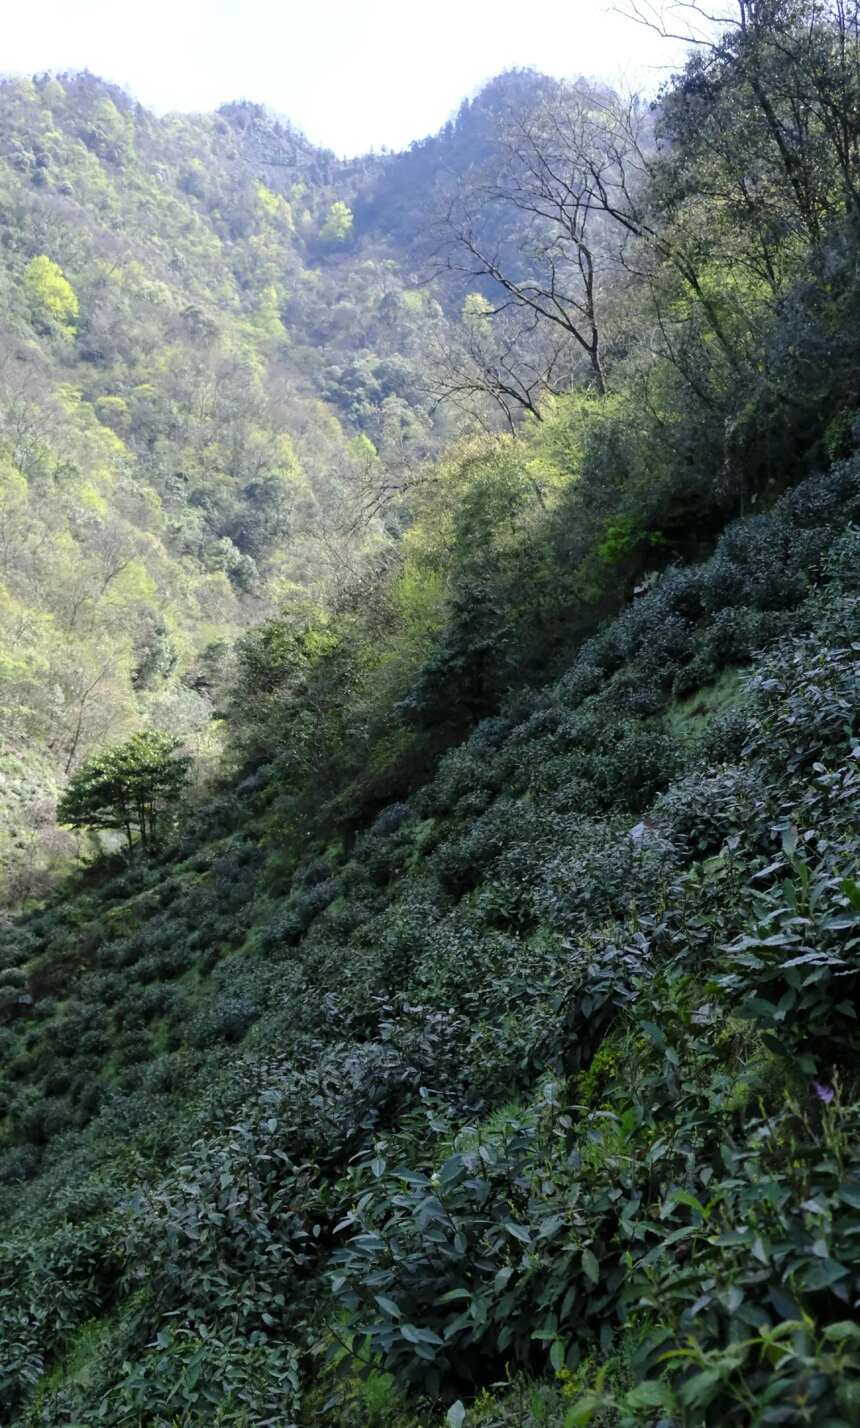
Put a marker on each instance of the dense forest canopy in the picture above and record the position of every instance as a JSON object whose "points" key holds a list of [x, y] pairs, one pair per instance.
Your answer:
{"points": [[430, 698]]}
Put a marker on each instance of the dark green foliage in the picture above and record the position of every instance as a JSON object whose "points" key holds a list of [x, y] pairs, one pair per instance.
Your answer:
{"points": [[131, 787], [464, 677], [535, 924]]}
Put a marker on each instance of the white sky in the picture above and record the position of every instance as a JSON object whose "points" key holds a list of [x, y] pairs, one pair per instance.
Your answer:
{"points": [[353, 74]]}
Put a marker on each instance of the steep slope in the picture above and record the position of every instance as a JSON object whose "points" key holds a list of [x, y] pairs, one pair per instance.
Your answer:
{"points": [[477, 1042], [555, 1068]]}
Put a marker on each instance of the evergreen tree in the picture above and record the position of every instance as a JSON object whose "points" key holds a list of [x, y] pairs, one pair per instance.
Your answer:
{"points": [[131, 787]]}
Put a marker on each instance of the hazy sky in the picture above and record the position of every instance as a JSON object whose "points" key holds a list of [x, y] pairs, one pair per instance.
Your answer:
{"points": [[351, 73]]}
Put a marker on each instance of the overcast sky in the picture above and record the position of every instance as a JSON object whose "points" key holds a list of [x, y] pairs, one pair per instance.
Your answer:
{"points": [[353, 74]]}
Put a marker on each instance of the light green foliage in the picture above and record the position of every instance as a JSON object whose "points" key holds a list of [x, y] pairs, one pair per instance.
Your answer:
{"points": [[171, 472], [267, 316], [622, 538], [476, 307], [275, 206], [338, 224], [52, 297]]}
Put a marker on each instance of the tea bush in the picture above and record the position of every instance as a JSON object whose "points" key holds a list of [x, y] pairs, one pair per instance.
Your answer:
{"points": [[548, 1078]]}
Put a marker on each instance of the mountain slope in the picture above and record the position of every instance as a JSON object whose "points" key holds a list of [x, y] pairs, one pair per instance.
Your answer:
{"points": [[194, 361], [477, 1042], [583, 980]]}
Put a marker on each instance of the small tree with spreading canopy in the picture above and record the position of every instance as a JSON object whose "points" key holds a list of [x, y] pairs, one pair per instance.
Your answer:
{"points": [[131, 787]]}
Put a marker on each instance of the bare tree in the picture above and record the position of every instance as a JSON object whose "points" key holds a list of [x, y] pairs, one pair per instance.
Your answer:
{"points": [[506, 362], [559, 228], [533, 228]]}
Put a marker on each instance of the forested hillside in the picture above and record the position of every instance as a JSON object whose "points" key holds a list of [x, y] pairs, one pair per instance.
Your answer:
{"points": [[200, 365], [461, 1027]]}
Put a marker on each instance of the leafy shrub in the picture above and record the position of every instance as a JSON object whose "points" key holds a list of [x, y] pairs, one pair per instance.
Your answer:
{"points": [[800, 959], [299, 911], [18, 1164], [806, 703], [460, 862], [605, 876], [726, 735], [390, 821], [703, 810], [462, 771], [212, 1377], [227, 1020], [133, 1047]]}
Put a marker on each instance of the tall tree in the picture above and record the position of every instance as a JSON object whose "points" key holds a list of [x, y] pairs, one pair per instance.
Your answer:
{"points": [[544, 185]]}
